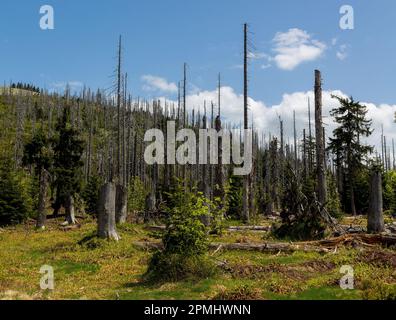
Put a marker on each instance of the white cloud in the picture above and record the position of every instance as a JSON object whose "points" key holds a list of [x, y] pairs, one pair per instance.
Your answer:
{"points": [[342, 53], [154, 83], [295, 47], [266, 117]]}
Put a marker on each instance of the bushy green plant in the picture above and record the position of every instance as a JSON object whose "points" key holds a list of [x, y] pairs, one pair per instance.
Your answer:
{"points": [[333, 204], [234, 197], [14, 200], [136, 195], [177, 267], [389, 188], [90, 194], [185, 233], [185, 239]]}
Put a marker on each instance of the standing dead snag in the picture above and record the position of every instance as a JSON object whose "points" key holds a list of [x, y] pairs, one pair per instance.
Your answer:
{"points": [[320, 152], [106, 212], [42, 215], [121, 204], [375, 222], [246, 179], [70, 210]]}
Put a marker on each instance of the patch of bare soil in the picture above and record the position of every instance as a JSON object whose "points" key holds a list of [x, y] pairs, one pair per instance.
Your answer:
{"points": [[378, 258], [241, 293]]}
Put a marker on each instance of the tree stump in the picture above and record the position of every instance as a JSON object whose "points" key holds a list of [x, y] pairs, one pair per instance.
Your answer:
{"points": [[106, 211], [375, 217]]}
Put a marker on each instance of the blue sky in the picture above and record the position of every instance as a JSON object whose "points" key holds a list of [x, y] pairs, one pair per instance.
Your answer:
{"points": [[160, 35]]}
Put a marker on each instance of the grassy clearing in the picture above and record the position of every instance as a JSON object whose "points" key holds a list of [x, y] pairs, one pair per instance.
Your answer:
{"points": [[114, 270]]}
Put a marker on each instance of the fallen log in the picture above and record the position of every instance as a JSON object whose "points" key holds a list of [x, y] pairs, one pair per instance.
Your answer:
{"points": [[230, 229], [249, 228], [265, 247], [322, 246], [356, 239], [269, 247]]}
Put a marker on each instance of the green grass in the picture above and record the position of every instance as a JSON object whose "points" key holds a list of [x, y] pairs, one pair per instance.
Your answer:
{"points": [[114, 270]]}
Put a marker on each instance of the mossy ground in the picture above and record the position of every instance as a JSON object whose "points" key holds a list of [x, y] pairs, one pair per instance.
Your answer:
{"points": [[114, 270]]}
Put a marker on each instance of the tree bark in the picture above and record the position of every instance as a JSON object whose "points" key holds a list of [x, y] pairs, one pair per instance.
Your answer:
{"points": [[70, 212], [42, 215], [106, 210], [375, 217], [121, 204], [320, 152], [245, 196]]}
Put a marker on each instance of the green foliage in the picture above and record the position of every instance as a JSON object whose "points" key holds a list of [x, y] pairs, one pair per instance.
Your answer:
{"points": [[68, 149], [14, 201], [136, 196], [90, 194], [374, 290], [346, 145], [300, 215], [38, 152], [333, 204], [234, 197], [185, 238], [185, 233], [389, 189], [177, 267]]}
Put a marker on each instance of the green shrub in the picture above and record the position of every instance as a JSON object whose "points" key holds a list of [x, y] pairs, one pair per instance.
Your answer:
{"points": [[90, 194], [378, 291], [136, 196], [176, 267], [14, 200], [185, 238]]}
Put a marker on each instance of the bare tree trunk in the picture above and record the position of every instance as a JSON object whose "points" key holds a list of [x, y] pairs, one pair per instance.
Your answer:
{"points": [[245, 199], [320, 152], [42, 214], [70, 212], [106, 211], [121, 204], [295, 142], [375, 216]]}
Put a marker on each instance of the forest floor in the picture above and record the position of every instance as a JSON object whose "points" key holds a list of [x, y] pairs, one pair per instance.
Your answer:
{"points": [[114, 270]]}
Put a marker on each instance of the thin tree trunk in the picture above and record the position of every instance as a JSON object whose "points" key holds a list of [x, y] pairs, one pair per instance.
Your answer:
{"points": [[121, 204], [320, 152], [375, 216], [70, 210], [245, 200], [42, 214]]}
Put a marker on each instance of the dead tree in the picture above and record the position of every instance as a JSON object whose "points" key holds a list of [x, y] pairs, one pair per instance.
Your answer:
{"points": [[245, 199], [375, 222], [70, 210], [42, 215], [106, 210], [320, 152]]}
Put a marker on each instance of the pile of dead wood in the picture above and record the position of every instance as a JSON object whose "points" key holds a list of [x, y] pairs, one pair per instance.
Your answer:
{"points": [[323, 246]]}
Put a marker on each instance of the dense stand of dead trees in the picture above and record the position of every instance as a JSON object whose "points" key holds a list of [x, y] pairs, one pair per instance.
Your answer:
{"points": [[114, 127]]}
